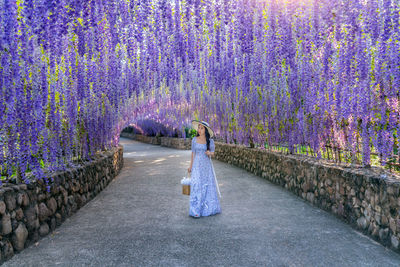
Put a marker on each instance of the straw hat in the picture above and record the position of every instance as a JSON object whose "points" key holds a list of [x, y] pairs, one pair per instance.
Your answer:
{"points": [[195, 124]]}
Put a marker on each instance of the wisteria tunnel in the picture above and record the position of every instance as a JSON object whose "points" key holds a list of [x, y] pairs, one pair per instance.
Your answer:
{"points": [[312, 78]]}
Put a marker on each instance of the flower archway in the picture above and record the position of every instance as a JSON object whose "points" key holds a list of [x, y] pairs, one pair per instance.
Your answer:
{"points": [[311, 73]]}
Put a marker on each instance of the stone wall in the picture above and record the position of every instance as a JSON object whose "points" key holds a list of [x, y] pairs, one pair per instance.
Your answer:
{"points": [[29, 212], [154, 140], [178, 143], [366, 198]]}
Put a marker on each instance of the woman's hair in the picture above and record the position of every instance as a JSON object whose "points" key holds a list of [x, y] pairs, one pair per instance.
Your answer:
{"points": [[207, 137]]}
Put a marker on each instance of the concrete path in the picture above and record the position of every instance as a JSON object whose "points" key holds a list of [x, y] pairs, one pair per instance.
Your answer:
{"points": [[141, 219]]}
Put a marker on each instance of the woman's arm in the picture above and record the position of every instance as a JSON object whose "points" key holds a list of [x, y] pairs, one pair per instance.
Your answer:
{"points": [[212, 148], [191, 160], [191, 163]]}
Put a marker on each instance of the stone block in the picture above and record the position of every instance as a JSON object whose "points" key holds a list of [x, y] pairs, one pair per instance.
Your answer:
{"points": [[341, 190], [383, 234], [19, 214], [52, 205], [53, 224], [362, 223], [6, 226], [392, 225], [394, 241], [32, 221], [44, 229], [8, 250], [375, 231], [58, 219], [23, 199], [384, 220], [44, 212], [19, 237], [377, 218], [41, 197], [2, 207], [352, 192], [10, 201], [310, 197]]}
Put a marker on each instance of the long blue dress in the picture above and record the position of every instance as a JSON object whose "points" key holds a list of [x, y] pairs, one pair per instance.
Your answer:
{"points": [[203, 191]]}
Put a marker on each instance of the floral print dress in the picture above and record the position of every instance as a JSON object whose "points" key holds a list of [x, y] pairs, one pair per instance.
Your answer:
{"points": [[203, 191]]}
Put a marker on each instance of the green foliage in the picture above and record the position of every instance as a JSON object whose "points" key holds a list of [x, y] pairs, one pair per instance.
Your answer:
{"points": [[190, 132]]}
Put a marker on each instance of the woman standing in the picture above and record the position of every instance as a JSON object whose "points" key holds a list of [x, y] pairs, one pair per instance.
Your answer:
{"points": [[203, 187]]}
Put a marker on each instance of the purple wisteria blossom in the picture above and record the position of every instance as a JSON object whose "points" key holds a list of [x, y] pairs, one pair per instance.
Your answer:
{"points": [[274, 73]]}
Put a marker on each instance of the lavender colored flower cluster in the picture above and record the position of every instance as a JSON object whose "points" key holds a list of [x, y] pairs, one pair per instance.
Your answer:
{"points": [[308, 73]]}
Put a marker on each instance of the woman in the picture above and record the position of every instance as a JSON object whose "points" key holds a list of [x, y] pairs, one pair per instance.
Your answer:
{"points": [[203, 188]]}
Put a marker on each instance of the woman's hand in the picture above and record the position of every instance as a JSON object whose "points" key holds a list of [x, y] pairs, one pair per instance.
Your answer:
{"points": [[190, 169], [209, 153]]}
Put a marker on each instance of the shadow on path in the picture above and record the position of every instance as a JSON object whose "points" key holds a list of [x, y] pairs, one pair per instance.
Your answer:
{"points": [[141, 219]]}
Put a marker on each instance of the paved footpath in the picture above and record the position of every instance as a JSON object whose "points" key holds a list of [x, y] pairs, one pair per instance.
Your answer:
{"points": [[141, 219]]}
